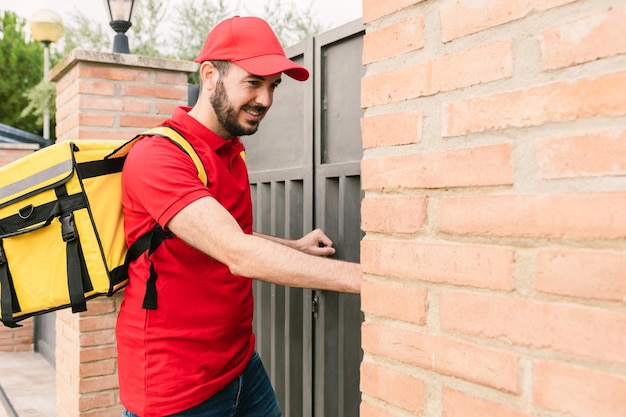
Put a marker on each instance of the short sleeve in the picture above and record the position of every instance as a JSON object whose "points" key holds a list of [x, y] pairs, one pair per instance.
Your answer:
{"points": [[160, 179]]}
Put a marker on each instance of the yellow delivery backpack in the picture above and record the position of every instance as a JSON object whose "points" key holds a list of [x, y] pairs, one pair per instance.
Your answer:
{"points": [[61, 226]]}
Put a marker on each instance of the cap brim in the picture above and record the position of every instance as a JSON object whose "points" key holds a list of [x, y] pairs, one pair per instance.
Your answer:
{"points": [[273, 64]]}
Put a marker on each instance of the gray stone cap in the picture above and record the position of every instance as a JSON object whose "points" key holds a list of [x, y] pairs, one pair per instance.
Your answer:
{"points": [[110, 58]]}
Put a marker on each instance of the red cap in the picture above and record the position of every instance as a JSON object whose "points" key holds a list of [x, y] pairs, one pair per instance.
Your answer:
{"points": [[250, 43]]}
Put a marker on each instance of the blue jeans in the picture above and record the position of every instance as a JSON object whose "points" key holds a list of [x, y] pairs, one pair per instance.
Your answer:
{"points": [[249, 395]]}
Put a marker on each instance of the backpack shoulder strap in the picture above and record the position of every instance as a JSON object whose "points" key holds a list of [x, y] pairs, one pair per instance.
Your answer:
{"points": [[178, 139], [152, 239]]}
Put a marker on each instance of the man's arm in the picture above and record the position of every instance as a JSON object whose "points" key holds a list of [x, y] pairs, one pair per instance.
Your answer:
{"points": [[207, 226]]}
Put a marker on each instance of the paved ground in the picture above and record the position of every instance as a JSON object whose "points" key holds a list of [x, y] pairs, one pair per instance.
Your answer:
{"points": [[28, 381]]}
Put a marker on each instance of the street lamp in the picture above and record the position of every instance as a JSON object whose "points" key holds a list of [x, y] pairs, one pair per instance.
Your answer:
{"points": [[120, 12], [46, 26]]}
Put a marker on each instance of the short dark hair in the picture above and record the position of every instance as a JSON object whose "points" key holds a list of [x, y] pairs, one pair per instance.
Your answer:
{"points": [[222, 66]]}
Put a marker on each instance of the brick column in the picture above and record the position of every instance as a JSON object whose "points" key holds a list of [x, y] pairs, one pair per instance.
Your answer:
{"points": [[104, 96], [494, 173]]}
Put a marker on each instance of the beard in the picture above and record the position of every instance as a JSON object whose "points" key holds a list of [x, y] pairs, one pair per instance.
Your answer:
{"points": [[227, 115]]}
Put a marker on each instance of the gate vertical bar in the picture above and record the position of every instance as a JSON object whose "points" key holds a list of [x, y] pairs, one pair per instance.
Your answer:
{"points": [[281, 154], [338, 152]]}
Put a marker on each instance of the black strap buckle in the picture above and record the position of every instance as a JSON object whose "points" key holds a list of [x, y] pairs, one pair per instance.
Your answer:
{"points": [[68, 227]]}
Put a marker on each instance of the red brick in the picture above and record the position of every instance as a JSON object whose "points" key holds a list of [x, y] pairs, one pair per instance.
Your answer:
{"points": [[155, 91], [67, 124], [102, 337], [97, 368], [96, 87], [393, 214], [95, 353], [65, 110], [9, 155], [370, 410], [595, 274], [464, 17], [111, 104], [587, 215], [577, 391], [481, 166], [67, 80], [94, 119], [171, 77], [68, 93], [559, 327], [392, 129], [409, 303], [100, 322], [600, 96], [96, 401], [374, 9], [443, 355], [479, 266], [112, 72], [479, 65], [165, 108], [393, 387], [99, 306], [460, 404], [393, 40], [115, 411], [584, 40], [591, 154], [99, 383]]}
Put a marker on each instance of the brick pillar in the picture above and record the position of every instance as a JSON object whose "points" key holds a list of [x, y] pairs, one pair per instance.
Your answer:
{"points": [[494, 173], [104, 96]]}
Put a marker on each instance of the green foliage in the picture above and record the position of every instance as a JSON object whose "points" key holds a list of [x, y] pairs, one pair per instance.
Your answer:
{"points": [[147, 29], [290, 24], [39, 96], [21, 69], [23, 95], [84, 33], [192, 24]]}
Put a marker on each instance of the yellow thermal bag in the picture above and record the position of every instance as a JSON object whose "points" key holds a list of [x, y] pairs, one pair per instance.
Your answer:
{"points": [[62, 228]]}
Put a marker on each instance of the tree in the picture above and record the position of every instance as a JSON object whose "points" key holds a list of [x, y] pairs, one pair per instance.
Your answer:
{"points": [[84, 33], [147, 29], [21, 70], [192, 22], [290, 24]]}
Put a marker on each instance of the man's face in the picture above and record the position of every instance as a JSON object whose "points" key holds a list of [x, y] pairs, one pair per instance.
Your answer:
{"points": [[241, 100]]}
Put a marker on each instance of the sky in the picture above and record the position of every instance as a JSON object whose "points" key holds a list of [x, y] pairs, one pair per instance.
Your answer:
{"points": [[331, 13]]}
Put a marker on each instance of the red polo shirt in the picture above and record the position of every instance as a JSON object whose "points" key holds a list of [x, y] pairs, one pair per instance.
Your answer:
{"points": [[200, 336]]}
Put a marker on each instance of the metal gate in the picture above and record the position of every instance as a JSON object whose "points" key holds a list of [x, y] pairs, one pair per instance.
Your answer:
{"points": [[304, 166]]}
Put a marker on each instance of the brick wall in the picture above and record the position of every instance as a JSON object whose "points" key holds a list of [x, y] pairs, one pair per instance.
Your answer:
{"points": [[104, 96], [10, 152], [495, 192], [20, 339]]}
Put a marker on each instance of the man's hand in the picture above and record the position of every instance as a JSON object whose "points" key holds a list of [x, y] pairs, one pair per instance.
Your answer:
{"points": [[315, 243]]}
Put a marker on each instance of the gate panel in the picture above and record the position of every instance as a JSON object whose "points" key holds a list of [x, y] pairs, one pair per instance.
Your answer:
{"points": [[280, 164], [304, 165]]}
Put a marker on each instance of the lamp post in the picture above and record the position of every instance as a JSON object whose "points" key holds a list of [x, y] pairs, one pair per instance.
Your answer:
{"points": [[46, 26], [120, 12]]}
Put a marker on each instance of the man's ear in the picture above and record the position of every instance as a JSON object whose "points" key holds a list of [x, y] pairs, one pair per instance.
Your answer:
{"points": [[208, 75]]}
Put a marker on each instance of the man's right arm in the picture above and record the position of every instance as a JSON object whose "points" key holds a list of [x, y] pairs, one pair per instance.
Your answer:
{"points": [[208, 226]]}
